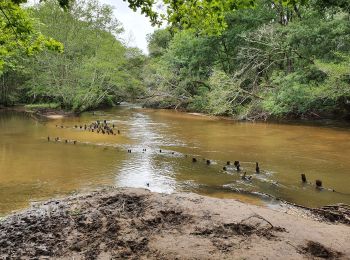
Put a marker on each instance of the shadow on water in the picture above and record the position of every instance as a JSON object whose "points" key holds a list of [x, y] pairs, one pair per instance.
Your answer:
{"points": [[162, 145]]}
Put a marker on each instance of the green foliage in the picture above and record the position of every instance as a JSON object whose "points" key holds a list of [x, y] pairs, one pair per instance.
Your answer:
{"points": [[325, 5], [285, 59], [225, 95], [94, 69], [300, 93], [246, 58], [291, 97], [43, 106], [205, 17], [18, 36], [158, 42], [208, 16], [181, 71]]}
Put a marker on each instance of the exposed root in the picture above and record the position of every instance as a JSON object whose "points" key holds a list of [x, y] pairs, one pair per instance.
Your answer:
{"points": [[220, 235]]}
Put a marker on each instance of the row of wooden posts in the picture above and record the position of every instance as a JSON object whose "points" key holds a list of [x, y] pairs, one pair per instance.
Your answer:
{"points": [[236, 164], [57, 139], [98, 127], [317, 182], [257, 170], [208, 162]]}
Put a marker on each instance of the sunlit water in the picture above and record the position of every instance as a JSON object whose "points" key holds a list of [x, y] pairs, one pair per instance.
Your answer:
{"points": [[31, 168]]}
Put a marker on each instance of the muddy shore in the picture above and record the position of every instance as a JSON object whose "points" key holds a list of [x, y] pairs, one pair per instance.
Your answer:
{"points": [[131, 223]]}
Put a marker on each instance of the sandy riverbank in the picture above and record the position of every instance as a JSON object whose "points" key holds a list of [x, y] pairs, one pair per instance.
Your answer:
{"points": [[137, 224]]}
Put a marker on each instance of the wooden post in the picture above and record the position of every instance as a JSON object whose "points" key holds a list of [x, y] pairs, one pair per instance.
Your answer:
{"points": [[257, 168], [303, 177], [194, 159], [228, 163], [237, 165], [318, 184], [208, 162]]}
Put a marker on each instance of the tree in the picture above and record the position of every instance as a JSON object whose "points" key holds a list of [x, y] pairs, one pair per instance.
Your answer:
{"points": [[158, 42], [277, 59], [206, 16], [18, 35], [95, 67]]}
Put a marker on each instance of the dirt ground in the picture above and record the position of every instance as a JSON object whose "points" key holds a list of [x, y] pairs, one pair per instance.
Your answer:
{"points": [[137, 224]]}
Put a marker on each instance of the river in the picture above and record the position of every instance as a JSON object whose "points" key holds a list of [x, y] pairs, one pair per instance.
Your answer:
{"points": [[33, 168]]}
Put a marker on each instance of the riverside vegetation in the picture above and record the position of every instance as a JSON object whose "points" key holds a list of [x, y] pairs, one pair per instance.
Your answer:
{"points": [[270, 61], [247, 59]]}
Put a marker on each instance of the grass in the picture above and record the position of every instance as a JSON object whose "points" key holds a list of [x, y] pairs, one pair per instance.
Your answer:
{"points": [[43, 105]]}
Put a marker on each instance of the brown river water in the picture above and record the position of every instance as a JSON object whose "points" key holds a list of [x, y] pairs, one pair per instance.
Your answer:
{"points": [[32, 169]]}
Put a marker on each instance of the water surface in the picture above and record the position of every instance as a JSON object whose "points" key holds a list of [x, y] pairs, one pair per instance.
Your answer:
{"points": [[31, 168]]}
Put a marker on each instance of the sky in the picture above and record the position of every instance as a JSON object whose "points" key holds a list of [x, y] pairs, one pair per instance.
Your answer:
{"points": [[136, 25]]}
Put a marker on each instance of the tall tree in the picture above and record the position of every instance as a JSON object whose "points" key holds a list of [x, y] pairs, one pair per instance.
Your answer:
{"points": [[94, 69]]}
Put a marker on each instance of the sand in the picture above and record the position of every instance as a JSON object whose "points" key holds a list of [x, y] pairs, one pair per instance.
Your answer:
{"points": [[131, 223]]}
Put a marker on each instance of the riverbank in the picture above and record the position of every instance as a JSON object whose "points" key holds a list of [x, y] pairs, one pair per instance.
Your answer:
{"points": [[311, 119], [137, 224], [254, 115], [38, 111]]}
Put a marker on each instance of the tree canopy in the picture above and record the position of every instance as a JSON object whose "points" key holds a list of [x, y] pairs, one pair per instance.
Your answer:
{"points": [[206, 16], [95, 67], [271, 60], [252, 59]]}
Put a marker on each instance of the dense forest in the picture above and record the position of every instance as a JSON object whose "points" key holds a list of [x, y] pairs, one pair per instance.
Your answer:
{"points": [[93, 68], [269, 59]]}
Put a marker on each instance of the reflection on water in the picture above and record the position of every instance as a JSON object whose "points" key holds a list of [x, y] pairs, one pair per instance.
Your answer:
{"points": [[31, 168]]}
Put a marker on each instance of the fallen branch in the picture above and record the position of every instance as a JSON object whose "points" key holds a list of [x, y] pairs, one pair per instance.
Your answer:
{"points": [[259, 217]]}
